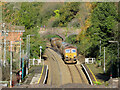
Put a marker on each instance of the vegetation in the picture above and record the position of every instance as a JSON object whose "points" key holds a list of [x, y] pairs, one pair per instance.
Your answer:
{"points": [[35, 42], [97, 83], [102, 25], [96, 21]]}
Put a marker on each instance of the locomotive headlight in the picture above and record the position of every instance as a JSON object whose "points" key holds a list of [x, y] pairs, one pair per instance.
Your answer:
{"points": [[74, 56], [66, 56]]}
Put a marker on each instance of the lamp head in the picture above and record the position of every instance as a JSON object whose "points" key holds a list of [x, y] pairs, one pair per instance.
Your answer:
{"points": [[40, 47]]}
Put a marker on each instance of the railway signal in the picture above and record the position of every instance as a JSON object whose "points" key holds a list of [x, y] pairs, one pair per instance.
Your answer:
{"points": [[20, 73]]}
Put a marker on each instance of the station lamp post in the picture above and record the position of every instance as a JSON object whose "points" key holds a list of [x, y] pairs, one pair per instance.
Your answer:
{"points": [[118, 54], [40, 54]]}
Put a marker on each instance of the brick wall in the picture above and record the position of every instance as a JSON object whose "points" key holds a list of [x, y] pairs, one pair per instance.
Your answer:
{"points": [[13, 36]]}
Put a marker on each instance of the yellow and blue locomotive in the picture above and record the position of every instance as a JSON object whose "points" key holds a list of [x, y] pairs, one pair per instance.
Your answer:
{"points": [[68, 51]]}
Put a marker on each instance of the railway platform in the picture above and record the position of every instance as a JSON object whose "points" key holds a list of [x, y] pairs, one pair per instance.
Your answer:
{"points": [[40, 75], [108, 83], [90, 75], [37, 75]]}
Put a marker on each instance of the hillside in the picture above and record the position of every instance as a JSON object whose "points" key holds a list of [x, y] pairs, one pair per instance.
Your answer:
{"points": [[98, 22]]}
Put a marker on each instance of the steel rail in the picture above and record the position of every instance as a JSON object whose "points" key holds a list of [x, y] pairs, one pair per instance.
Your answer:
{"points": [[79, 74], [57, 64], [70, 73]]}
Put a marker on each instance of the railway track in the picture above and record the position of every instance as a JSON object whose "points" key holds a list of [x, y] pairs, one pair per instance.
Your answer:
{"points": [[70, 73], [79, 74], [55, 62], [76, 75], [61, 73]]}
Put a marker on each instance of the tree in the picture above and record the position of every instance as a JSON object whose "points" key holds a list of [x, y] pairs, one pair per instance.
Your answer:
{"points": [[68, 12], [104, 20], [35, 42]]}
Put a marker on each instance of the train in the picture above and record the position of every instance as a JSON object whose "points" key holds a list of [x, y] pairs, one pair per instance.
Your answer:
{"points": [[67, 51]]}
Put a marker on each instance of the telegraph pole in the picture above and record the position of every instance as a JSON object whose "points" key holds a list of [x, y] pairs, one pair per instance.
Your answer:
{"points": [[11, 66], [117, 55], [1, 43], [5, 49], [20, 54], [29, 46], [104, 59], [118, 59], [100, 52], [0, 60], [4, 44], [27, 52], [27, 49]]}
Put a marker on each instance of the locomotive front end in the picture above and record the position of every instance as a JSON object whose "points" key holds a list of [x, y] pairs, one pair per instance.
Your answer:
{"points": [[70, 55]]}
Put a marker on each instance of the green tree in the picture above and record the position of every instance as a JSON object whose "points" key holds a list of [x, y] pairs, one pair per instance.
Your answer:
{"points": [[104, 20], [68, 12], [35, 42]]}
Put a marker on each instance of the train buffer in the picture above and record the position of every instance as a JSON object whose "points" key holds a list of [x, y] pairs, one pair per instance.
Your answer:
{"points": [[37, 75]]}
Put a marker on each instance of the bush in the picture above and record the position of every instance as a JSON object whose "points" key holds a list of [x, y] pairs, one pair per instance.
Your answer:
{"points": [[97, 82]]}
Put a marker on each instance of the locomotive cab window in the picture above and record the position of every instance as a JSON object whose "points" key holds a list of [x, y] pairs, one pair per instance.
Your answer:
{"points": [[67, 51], [73, 50]]}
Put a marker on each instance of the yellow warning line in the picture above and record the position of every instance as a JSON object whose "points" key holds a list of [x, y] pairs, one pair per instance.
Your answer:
{"points": [[41, 74], [92, 74]]}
